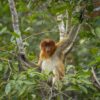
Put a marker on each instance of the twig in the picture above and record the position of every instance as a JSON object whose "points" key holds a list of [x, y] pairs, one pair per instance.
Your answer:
{"points": [[73, 31], [10, 68], [41, 33], [2, 84], [50, 97], [4, 59], [95, 77], [11, 53], [91, 28]]}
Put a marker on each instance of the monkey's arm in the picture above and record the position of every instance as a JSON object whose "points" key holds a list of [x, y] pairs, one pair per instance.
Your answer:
{"points": [[39, 62], [67, 43], [40, 59]]}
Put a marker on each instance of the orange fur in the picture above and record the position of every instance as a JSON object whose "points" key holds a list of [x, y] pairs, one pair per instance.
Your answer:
{"points": [[49, 61], [51, 48]]}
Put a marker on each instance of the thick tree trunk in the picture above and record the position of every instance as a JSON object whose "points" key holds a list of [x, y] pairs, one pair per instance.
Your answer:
{"points": [[15, 23]]}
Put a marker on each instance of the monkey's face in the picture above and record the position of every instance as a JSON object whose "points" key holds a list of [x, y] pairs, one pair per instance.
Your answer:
{"points": [[48, 47]]}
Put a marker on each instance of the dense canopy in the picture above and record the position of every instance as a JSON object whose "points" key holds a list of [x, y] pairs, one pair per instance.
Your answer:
{"points": [[24, 23]]}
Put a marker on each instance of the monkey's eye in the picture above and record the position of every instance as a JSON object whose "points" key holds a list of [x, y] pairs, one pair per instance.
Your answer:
{"points": [[45, 45]]}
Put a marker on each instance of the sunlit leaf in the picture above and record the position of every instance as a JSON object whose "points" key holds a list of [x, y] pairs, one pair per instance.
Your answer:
{"points": [[15, 34], [8, 88]]}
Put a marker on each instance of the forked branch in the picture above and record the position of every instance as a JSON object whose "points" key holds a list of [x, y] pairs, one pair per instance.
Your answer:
{"points": [[19, 41], [67, 43]]}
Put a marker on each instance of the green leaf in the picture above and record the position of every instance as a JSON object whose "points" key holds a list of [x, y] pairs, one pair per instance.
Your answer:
{"points": [[15, 34], [86, 82], [8, 88], [1, 67], [60, 97], [98, 58], [19, 82], [3, 30], [22, 90], [94, 50], [72, 88], [83, 89], [28, 82]]}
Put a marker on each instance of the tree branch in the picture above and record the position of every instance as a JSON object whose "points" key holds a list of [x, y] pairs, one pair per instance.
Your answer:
{"points": [[61, 26], [19, 41], [95, 77], [15, 23], [67, 44], [27, 63], [68, 23]]}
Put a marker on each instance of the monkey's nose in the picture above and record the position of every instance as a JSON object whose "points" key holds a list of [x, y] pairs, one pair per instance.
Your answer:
{"points": [[48, 51]]}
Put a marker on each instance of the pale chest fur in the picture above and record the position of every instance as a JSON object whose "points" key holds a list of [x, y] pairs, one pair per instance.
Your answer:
{"points": [[51, 64]]}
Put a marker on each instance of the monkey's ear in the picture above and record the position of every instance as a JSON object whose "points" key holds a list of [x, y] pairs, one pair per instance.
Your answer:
{"points": [[40, 44]]}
